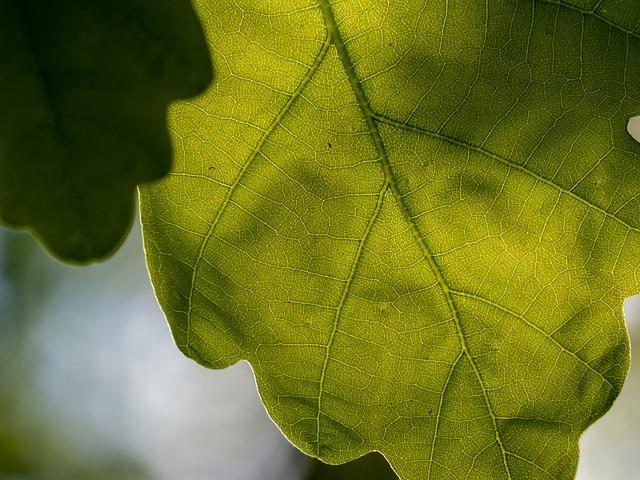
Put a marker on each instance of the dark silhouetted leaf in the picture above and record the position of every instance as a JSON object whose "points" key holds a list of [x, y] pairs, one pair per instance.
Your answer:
{"points": [[370, 467], [84, 88]]}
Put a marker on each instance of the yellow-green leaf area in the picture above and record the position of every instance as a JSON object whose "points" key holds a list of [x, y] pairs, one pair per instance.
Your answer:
{"points": [[416, 220]]}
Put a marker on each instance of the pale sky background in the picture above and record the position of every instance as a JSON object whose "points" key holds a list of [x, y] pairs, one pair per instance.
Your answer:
{"points": [[107, 377]]}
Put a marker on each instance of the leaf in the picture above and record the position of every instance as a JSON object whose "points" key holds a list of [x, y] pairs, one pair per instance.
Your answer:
{"points": [[372, 466], [416, 220], [84, 89]]}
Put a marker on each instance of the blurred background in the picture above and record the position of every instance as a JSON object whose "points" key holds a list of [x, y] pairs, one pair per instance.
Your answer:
{"points": [[92, 387]]}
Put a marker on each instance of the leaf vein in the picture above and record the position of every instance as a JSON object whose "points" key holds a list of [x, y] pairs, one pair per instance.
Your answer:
{"points": [[369, 116], [508, 163], [592, 13], [343, 298], [228, 198], [534, 327]]}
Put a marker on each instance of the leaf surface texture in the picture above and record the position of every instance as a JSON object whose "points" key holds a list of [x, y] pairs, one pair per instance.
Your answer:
{"points": [[416, 220]]}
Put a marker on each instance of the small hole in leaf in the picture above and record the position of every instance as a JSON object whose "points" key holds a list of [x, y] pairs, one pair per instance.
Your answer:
{"points": [[633, 127]]}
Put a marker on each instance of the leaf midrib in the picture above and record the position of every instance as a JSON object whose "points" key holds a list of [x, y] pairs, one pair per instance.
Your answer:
{"points": [[369, 116]]}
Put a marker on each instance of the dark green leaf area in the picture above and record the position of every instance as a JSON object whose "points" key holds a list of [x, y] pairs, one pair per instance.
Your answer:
{"points": [[84, 88]]}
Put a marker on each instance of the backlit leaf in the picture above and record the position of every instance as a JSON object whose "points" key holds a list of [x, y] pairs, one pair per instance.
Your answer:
{"points": [[417, 220]]}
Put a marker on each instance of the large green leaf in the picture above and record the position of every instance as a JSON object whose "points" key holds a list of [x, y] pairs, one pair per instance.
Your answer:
{"points": [[84, 88], [417, 220]]}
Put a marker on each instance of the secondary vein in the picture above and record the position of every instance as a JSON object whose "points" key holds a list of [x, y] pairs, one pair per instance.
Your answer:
{"points": [[343, 298], [232, 188], [507, 163]]}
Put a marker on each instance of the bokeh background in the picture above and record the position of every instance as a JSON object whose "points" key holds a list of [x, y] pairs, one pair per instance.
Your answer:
{"points": [[92, 387]]}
